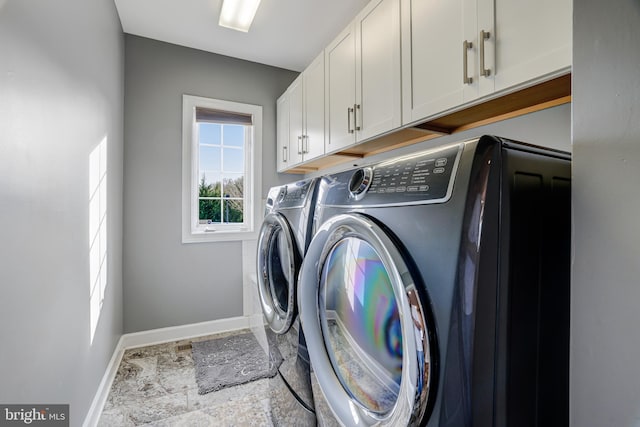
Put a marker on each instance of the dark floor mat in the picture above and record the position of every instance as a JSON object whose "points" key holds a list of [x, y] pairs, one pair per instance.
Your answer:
{"points": [[233, 360]]}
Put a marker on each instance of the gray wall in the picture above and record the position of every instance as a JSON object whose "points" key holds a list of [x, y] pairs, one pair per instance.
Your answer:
{"points": [[167, 283], [61, 94], [605, 318]]}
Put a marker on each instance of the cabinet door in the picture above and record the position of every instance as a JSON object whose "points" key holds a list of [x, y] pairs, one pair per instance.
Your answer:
{"points": [[378, 90], [282, 135], [313, 82], [295, 121], [534, 40], [479, 30], [340, 65], [432, 57]]}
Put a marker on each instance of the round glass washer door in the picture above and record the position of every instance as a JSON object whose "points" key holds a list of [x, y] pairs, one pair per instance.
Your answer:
{"points": [[367, 332], [277, 266]]}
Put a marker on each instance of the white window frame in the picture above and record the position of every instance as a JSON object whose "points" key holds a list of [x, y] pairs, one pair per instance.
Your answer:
{"points": [[192, 231]]}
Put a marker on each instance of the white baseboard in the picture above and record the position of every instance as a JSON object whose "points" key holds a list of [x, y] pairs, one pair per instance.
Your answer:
{"points": [[91, 420], [175, 333], [152, 337]]}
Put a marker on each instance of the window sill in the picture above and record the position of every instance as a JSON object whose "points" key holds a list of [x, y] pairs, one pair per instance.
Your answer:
{"points": [[218, 236]]}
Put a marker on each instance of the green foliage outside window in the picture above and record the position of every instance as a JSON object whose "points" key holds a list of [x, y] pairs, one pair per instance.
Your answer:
{"points": [[216, 207]]}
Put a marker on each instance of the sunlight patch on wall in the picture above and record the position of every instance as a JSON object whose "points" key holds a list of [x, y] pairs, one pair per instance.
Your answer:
{"points": [[97, 232]]}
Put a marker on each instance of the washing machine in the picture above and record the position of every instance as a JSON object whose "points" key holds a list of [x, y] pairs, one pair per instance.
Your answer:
{"points": [[283, 239], [435, 291]]}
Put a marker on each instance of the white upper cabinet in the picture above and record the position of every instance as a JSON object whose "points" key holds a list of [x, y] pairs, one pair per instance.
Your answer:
{"points": [[534, 39], [457, 51], [313, 86], [404, 62], [300, 112], [433, 31], [282, 135], [479, 31], [363, 76], [340, 71], [378, 83], [296, 125], [445, 50]]}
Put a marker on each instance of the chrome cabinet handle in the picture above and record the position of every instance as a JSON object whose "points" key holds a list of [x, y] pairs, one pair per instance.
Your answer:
{"points": [[484, 35], [466, 45], [299, 144], [349, 111], [284, 154], [305, 146], [356, 107]]}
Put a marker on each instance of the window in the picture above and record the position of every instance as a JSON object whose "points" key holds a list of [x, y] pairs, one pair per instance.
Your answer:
{"points": [[220, 169]]}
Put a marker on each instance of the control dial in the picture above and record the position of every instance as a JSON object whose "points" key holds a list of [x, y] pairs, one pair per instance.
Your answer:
{"points": [[282, 194], [360, 182]]}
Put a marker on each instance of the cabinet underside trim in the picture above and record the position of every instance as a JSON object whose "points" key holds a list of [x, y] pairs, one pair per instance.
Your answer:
{"points": [[547, 94]]}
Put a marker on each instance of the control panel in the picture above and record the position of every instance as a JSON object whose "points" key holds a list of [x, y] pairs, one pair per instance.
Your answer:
{"points": [[424, 176], [293, 195]]}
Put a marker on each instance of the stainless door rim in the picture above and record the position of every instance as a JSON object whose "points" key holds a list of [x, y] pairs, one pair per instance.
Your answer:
{"points": [[413, 401], [278, 320]]}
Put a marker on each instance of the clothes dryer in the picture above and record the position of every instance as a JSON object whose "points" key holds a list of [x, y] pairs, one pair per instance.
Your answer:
{"points": [[435, 291], [283, 240]]}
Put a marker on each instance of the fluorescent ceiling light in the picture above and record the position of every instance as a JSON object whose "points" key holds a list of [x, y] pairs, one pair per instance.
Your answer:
{"points": [[238, 14]]}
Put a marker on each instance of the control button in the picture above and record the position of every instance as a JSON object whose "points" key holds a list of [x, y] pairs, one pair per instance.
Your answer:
{"points": [[413, 188], [401, 189], [423, 188], [438, 170], [441, 162], [391, 190]]}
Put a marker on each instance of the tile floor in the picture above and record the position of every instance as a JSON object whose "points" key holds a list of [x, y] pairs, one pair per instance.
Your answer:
{"points": [[155, 386]]}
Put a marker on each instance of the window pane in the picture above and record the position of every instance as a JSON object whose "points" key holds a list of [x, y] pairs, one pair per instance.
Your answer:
{"points": [[209, 133], [233, 210], [210, 158], [209, 211], [210, 185], [233, 135], [233, 160], [233, 185]]}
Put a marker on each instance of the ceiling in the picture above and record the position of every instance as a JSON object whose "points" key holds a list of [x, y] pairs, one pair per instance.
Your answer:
{"points": [[285, 33]]}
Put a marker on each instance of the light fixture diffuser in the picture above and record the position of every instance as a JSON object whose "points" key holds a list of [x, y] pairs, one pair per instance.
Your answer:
{"points": [[238, 14]]}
